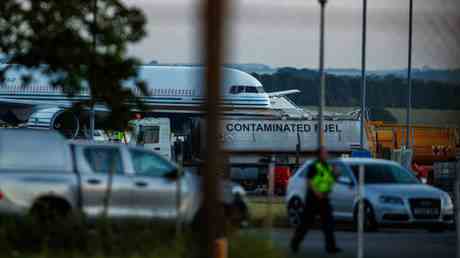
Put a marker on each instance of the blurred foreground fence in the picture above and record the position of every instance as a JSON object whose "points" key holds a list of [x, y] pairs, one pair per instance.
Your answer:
{"points": [[445, 176]]}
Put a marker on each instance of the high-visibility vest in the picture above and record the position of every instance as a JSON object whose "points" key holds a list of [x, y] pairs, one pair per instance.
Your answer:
{"points": [[324, 179], [119, 136]]}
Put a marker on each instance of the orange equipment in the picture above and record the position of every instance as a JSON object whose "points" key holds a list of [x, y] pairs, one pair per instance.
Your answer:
{"points": [[430, 143]]}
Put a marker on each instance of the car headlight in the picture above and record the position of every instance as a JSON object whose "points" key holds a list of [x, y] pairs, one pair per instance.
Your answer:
{"points": [[395, 200], [447, 202]]}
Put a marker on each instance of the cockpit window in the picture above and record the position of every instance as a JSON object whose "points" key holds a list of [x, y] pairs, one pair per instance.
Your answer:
{"points": [[237, 89]]}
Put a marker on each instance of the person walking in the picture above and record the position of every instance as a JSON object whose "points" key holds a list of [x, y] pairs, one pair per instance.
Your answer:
{"points": [[320, 182]]}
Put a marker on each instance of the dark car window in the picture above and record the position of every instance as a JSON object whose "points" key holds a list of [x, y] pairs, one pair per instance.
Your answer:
{"points": [[305, 170], [104, 159], [385, 174], [149, 164], [342, 172]]}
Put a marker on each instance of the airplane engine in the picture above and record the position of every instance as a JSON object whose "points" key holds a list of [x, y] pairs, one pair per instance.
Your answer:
{"points": [[64, 121]]}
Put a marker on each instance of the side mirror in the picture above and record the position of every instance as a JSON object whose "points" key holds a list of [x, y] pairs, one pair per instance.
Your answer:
{"points": [[173, 175]]}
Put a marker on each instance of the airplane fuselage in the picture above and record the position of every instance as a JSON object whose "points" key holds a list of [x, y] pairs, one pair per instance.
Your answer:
{"points": [[168, 86]]}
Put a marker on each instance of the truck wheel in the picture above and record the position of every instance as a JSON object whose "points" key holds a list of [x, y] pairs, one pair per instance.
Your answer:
{"points": [[50, 210], [370, 223], [238, 212], [295, 211]]}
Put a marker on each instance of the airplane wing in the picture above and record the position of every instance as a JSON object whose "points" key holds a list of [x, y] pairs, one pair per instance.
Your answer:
{"points": [[19, 103], [282, 93], [36, 105], [13, 103]]}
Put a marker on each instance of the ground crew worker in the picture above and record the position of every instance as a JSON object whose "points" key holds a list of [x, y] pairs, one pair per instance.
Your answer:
{"points": [[320, 181], [119, 136]]}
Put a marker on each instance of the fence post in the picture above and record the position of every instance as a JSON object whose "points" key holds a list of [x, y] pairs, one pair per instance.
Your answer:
{"points": [[178, 204], [457, 205], [270, 193], [361, 212]]}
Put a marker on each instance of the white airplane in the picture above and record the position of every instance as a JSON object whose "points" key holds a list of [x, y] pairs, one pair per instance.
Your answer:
{"points": [[172, 89]]}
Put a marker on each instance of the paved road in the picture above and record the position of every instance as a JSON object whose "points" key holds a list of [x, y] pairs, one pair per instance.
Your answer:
{"points": [[387, 243]]}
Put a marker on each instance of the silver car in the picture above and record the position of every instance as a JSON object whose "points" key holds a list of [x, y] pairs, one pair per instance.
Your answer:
{"points": [[392, 195], [40, 169]]}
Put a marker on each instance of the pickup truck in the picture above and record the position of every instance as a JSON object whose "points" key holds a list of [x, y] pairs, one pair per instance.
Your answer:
{"points": [[41, 169]]}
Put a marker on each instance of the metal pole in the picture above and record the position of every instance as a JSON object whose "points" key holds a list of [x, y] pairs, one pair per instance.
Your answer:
{"points": [[361, 212], [457, 208], [363, 118], [180, 160], [298, 149], [178, 205], [409, 76], [92, 121], [322, 97], [213, 31], [363, 74], [93, 72], [271, 193]]}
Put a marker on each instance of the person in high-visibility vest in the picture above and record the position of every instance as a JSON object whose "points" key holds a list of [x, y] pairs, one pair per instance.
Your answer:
{"points": [[320, 182], [119, 136]]}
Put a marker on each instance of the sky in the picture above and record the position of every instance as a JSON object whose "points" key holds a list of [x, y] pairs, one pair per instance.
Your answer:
{"points": [[286, 33]]}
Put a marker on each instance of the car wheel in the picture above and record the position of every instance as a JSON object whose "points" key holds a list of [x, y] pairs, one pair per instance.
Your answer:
{"points": [[295, 211], [370, 223]]}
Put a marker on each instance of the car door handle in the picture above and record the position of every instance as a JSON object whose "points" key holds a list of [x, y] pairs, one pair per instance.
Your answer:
{"points": [[141, 184], [94, 181]]}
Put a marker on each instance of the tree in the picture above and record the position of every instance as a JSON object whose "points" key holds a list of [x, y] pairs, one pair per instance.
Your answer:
{"points": [[344, 90], [77, 43]]}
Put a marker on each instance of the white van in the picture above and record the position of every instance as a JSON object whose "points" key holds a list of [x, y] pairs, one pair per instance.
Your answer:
{"points": [[152, 133]]}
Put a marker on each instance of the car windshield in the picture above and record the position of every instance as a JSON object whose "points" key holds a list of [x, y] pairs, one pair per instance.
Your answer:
{"points": [[385, 174]]}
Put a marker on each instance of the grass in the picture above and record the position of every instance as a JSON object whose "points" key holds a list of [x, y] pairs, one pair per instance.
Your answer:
{"points": [[247, 245], [259, 209], [71, 238], [29, 238]]}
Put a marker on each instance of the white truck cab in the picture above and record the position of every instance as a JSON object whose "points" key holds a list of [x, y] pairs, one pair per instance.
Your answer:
{"points": [[152, 133]]}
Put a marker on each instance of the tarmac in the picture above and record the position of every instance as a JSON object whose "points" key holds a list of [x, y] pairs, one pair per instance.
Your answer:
{"points": [[387, 243]]}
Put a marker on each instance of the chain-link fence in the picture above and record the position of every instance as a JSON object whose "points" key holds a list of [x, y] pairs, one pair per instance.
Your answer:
{"points": [[445, 176]]}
